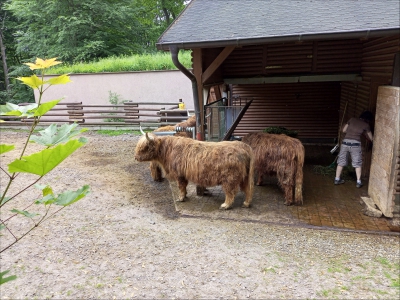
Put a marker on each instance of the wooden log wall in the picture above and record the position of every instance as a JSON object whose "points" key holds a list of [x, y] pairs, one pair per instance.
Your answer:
{"points": [[384, 174]]}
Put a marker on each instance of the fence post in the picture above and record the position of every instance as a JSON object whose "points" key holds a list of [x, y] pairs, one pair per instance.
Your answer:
{"points": [[76, 113]]}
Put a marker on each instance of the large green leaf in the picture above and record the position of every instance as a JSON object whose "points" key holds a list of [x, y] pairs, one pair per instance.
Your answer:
{"points": [[5, 200], [32, 81], [54, 135], [6, 279], [69, 197], [24, 213], [46, 200], [65, 198], [42, 162], [48, 195], [10, 109], [45, 107], [62, 79], [5, 148], [43, 63], [46, 189]]}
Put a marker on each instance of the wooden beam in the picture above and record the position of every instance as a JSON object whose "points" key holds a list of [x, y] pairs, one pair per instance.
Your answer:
{"points": [[293, 79], [197, 72], [216, 63], [217, 92]]}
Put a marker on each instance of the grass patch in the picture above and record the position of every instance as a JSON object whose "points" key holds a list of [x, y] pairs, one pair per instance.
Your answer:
{"points": [[348, 172], [99, 285], [328, 293], [146, 62], [269, 270], [389, 270], [115, 132], [383, 261], [339, 265]]}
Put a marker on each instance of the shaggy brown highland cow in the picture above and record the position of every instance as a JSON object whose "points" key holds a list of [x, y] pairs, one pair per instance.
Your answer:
{"points": [[281, 155], [190, 122], [155, 170], [207, 164]]}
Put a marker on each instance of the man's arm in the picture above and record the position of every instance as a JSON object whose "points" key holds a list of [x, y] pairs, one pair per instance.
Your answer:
{"points": [[370, 136], [345, 128]]}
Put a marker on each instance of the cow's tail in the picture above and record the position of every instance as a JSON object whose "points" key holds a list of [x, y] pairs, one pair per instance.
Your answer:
{"points": [[298, 192], [250, 180]]}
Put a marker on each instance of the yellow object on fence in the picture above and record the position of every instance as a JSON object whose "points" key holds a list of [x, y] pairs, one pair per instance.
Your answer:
{"points": [[182, 105]]}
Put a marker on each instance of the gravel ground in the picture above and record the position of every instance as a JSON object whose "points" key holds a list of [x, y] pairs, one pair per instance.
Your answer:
{"points": [[126, 241]]}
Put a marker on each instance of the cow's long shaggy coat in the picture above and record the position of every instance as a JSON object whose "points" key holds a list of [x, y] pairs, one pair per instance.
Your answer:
{"points": [[281, 155], [155, 169], [207, 164]]}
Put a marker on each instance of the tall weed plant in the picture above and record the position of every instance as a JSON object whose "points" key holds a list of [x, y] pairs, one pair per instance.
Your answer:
{"points": [[146, 62], [57, 144]]}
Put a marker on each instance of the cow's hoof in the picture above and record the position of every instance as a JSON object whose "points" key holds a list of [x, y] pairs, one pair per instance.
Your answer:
{"points": [[180, 199], [246, 205], [288, 203], [224, 206]]}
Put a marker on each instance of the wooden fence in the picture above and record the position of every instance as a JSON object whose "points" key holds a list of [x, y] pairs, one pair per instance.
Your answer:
{"points": [[153, 114]]}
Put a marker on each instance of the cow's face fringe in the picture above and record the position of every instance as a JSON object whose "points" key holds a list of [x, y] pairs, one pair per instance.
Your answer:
{"points": [[147, 148]]}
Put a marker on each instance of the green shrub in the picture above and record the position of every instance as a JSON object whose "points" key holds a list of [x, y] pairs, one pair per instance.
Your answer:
{"points": [[281, 130]]}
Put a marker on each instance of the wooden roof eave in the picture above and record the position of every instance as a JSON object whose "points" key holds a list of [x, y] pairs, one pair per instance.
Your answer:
{"points": [[363, 34]]}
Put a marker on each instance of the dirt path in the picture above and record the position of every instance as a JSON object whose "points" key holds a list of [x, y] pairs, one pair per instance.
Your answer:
{"points": [[125, 241]]}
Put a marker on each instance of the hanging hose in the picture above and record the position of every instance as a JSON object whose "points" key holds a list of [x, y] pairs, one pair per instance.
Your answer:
{"points": [[340, 128]]}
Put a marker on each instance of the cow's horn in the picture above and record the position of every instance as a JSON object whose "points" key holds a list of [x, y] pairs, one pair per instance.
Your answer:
{"points": [[147, 137], [141, 130]]}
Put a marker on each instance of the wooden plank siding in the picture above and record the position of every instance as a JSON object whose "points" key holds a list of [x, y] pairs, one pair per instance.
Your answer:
{"points": [[315, 113], [376, 69], [320, 57], [309, 108], [274, 104]]}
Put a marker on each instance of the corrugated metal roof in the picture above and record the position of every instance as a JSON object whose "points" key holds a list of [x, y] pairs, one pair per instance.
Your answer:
{"points": [[217, 23]]}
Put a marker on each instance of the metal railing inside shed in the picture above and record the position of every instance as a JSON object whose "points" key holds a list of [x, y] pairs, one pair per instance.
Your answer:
{"points": [[220, 117]]}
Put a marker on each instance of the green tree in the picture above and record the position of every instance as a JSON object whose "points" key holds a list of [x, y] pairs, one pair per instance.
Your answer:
{"points": [[157, 15], [11, 90], [76, 30]]}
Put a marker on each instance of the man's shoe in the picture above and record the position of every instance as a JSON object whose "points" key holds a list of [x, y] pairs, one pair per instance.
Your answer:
{"points": [[340, 181], [359, 184]]}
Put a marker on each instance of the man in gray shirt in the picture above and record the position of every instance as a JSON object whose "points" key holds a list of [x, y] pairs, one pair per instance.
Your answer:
{"points": [[354, 128]]}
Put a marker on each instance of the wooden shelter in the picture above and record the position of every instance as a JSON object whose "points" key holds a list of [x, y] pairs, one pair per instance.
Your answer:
{"points": [[307, 65]]}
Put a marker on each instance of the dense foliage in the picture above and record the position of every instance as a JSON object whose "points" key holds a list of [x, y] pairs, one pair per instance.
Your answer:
{"points": [[144, 62], [76, 31]]}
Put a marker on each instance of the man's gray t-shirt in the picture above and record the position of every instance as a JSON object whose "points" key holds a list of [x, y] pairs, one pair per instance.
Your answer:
{"points": [[356, 127]]}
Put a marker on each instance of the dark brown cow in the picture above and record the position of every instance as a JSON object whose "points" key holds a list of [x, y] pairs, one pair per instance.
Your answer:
{"points": [[281, 155], [207, 164], [155, 170]]}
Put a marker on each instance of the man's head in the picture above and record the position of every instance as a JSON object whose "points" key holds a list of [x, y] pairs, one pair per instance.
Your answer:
{"points": [[367, 116]]}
